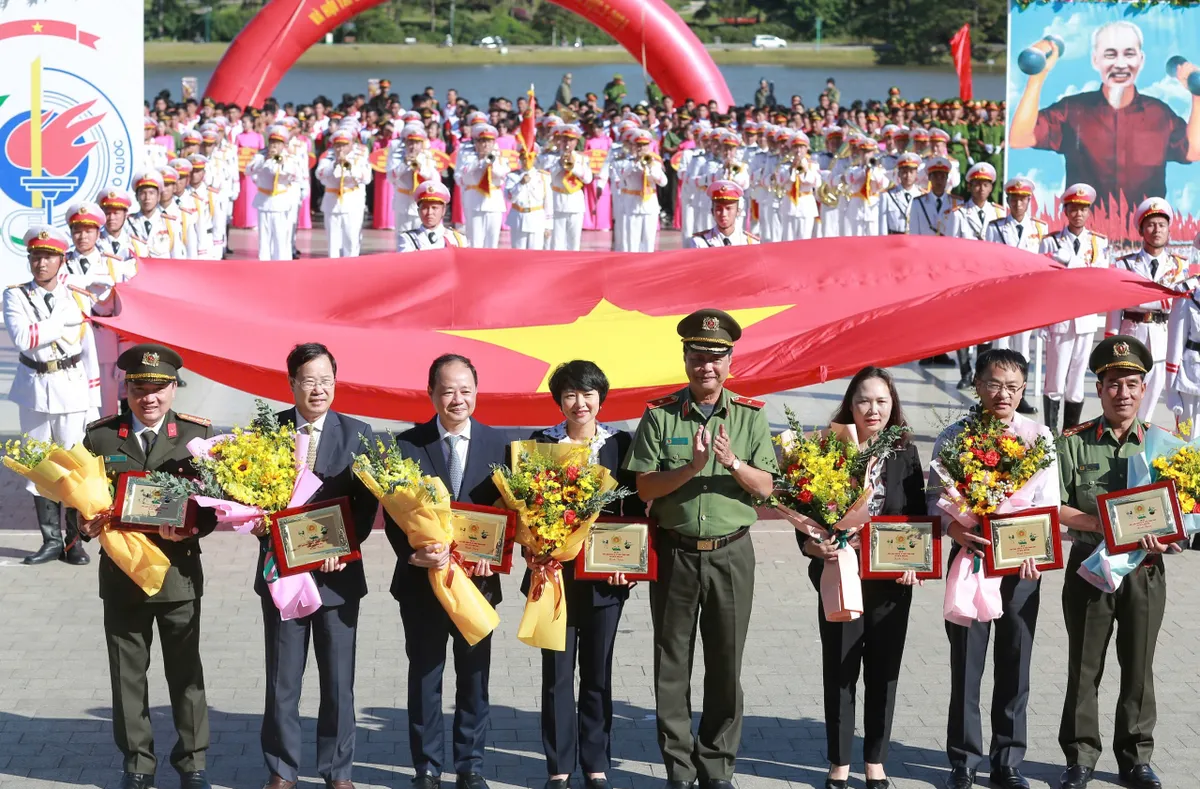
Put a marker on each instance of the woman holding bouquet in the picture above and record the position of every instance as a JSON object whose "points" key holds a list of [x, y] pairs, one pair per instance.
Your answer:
{"points": [[593, 607], [874, 640], [999, 385]]}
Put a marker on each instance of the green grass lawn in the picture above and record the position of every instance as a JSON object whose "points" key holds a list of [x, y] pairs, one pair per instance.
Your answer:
{"points": [[335, 55]]}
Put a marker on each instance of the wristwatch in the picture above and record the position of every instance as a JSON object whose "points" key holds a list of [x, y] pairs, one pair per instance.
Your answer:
{"points": [[735, 465]]}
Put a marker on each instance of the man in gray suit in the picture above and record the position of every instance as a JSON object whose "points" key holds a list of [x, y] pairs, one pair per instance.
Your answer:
{"points": [[333, 441]]}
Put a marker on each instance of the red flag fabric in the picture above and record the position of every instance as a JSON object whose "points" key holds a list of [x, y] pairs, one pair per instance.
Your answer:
{"points": [[810, 311], [960, 51], [528, 135]]}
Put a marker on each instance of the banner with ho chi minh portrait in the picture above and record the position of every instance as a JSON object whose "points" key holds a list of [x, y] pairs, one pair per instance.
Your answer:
{"points": [[1106, 93], [70, 111]]}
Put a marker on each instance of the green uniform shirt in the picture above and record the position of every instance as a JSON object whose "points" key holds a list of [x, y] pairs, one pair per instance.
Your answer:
{"points": [[712, 503], [1092, 462]]}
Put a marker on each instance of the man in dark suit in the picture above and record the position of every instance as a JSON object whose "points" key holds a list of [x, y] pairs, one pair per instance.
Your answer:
{"points": [[334, 439], [461, 451], [152, 437]]}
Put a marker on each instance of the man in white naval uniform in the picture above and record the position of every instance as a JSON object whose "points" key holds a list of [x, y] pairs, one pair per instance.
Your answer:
{"points": [[528, 190], [409, 165], [895, 207], [569, 173], [728, 230], [432, 198], [273, 174], [56, 384], [345, 177], [483, 190], [157, 235]]}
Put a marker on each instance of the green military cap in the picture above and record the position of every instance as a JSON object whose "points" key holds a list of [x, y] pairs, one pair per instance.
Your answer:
{"points": [[709, 331], [1121, 352], [150, 362]]}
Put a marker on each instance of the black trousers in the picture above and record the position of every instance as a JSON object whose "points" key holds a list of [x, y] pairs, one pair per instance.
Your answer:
{"points": [[875, 643], [427, 627], [129, 634], [334, 633], [1011, 655], [586, 730], [1136, 611]]}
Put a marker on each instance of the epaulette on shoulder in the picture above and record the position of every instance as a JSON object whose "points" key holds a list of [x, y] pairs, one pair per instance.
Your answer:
{"points": [[698, 235], [1070, 431], [18, 285], [104, 420], [83, 291], [660, 402], [1100, 235], [752, 237], [196, 420], [997, 205], [750, 402]]}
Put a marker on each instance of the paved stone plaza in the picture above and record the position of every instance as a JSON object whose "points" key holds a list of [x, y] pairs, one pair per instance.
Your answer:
{"points": [[55, 698]]}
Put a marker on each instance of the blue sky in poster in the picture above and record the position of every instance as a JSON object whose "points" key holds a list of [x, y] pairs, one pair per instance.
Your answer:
{"points": [[1166, 31]]}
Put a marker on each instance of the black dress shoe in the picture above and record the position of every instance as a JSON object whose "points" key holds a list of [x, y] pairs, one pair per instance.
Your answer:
{"points": [[136, 781], [558, 783], [1008, 778], [960, 778], [1026, 408], [1140, 776], [426, 781], [1076, 777], [470, 781], [194, 780], [593, 783], [878, 783]]}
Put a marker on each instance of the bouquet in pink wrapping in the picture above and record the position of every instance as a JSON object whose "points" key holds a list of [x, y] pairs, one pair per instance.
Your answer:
{"points": [[987, 467], [246, 476]]}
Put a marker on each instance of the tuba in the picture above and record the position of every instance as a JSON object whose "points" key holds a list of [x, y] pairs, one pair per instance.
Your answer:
{"points": [[829, 195]]}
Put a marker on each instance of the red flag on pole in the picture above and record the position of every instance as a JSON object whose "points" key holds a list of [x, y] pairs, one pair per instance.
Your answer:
{"points": [[960, 51], [528, 137]]}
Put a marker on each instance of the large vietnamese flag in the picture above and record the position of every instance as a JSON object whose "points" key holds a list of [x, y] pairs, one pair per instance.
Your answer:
{"points": [[811, 310]]}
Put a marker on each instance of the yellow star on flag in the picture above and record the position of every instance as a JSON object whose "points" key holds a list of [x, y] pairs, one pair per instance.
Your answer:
{"points": [[632, 348], [37, 27]]}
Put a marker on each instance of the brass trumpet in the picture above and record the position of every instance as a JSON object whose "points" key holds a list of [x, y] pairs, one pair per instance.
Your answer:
{"points": [[647, 161], [568, 160]]}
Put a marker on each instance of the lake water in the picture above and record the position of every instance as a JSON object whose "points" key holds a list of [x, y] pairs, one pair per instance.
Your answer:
{"points": [[479, 83]]}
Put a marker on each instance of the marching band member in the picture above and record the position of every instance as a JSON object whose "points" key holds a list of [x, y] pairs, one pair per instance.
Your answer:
{"points": [[727, 231], [344, 177], [1070, 341], [569, 174], [273, 173], [483, 190], [865, 182], [797, 177], [409, 165], [528, 190], [431, 198], [639, 181], [896, 205], [1018, 229], [1148, 322], [832, 168]]}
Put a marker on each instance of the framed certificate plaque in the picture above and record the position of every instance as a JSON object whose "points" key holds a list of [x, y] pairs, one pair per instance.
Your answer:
{"points": [[1129, 515], [141, 506], [484, 534], [1017, 536], [892, 545], [304, 537], [619, 545]]}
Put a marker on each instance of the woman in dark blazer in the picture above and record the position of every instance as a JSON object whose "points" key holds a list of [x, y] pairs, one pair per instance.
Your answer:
{"points": [[874, 641], [593, 607]]}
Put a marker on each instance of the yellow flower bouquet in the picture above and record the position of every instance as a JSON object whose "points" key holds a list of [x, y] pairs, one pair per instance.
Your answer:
{"points": [[77, 478], [557, 493], [420, 506], [74, 477]]}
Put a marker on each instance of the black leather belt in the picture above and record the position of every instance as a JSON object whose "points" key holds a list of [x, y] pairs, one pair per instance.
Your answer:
{"points": [[1192, 345], [1144, 317], [697, 545], [51, 366]]}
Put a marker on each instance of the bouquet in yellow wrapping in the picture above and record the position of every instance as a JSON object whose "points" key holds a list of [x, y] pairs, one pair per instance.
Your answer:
{"points": [[557, 493], [74, 477], [420, 505]]}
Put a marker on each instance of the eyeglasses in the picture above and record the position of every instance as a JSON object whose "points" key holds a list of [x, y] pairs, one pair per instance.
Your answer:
{"points": [[995, 387], [308, 384]]}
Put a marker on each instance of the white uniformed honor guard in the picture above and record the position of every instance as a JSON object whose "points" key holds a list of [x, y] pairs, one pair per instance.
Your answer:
{"points": [[432, 197]]}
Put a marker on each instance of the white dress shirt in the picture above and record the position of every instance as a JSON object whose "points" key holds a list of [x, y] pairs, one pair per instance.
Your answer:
{"points": [[140, 430]]}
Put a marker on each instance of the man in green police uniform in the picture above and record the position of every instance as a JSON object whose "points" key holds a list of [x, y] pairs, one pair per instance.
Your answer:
{"points": [[703, 456], [152, 437], [1092, 461]]}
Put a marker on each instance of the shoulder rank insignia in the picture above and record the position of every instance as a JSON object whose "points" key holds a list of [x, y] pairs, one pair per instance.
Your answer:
{"points": [[660, 402], [83, 291], [196, 420], [1100, 235], [753, 239], [701, 233], [104, 420], [750, 402], [1070, 431]]}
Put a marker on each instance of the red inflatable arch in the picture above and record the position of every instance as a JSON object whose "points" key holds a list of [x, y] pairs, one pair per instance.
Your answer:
{"points": [[280, 33]]}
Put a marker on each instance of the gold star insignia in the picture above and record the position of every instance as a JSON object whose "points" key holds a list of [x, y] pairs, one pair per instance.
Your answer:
{"points": [[632, 348], [37, 27]]}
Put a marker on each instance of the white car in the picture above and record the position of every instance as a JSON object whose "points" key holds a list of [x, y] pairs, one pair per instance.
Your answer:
{"points": [[490, 42], [769, 42]]}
